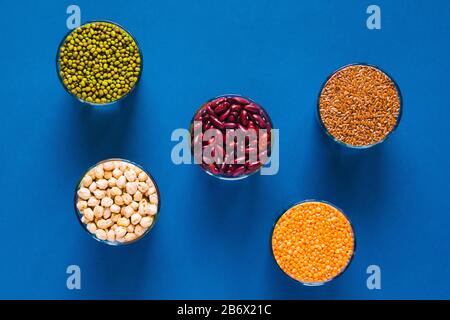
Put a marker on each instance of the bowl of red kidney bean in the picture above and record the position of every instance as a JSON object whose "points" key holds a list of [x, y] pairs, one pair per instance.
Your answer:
{"points": [[213, 145]]}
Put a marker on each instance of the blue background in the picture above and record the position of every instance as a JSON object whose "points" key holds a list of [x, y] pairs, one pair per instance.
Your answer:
{"points": [[212, 238]]}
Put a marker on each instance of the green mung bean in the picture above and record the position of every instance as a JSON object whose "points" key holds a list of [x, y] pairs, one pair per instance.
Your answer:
{"points": [[99, 62]]}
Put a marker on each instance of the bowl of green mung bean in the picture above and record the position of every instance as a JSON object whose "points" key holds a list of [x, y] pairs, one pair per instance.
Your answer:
{"points": [[99, 63]]}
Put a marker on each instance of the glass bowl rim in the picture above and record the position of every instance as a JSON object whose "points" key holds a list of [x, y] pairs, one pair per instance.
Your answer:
{"points": [[400, 97], [229, 95], [94, 104], [342, 271], [79, 214]]}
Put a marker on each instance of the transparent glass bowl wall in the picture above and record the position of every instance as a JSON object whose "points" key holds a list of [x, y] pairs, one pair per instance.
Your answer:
{"points": [[343, 269], [324, 128], [221, 176], [94, 103], [80, 215]]}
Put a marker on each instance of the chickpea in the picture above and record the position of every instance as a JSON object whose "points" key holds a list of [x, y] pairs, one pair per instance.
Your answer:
{"points": [[101, 234], [111, 236], [93, 186], [120, 232], [91, 173], [107, 175], [84, 193], [107, 202], [117, 173], [131, 187], [98, 171], [112, 182], [92, 202], [99, 194], [143, 187], [151, 190], [120, 240], [150, 183], [107, 213], [98, 211], [102, 184], [137, 196], [117, 201], [128, 211], [123, 222], [153, 198], [87, 180], [117, 164], [152, 209], [127, 199], [136, 218], [91, 227], [121, 182], [130, 237], [146, 222], [134, 205], [139, 230], [104, 224], [81, 205], [123, 166], [115, 208], [115, 191], [130, 175], [142, 176], [108, 166], [88, 214]]}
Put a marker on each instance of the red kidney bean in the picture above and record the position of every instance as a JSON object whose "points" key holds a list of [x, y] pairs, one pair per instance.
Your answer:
{"points": [[218, 124], [230, 125], [235, 108], [240, 100], [254, 166], [222, 107], [243, 117], [206, 125], [231, 118], [252, 108], [259, 120], [210, 110], [225, 115], [242, 128], [213, 169], [238, 171], [218, 101]]}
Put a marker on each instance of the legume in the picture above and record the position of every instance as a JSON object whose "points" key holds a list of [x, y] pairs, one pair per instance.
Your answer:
{"points": [[99, 62], [109, 212], [359, 105], [225, 114], [313, 242]]}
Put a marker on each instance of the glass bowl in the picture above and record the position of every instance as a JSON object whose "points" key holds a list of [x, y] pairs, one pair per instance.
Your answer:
{"points": [[79, 215], [248, 172], [94, 103], [324, 128], [319, 283]]}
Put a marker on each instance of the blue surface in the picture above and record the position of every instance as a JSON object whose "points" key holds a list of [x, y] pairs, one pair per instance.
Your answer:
{"points": [[212, 238]]}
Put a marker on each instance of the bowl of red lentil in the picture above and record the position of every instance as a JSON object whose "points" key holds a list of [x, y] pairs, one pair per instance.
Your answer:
{"points": [[359, 106], [313, 242]]}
